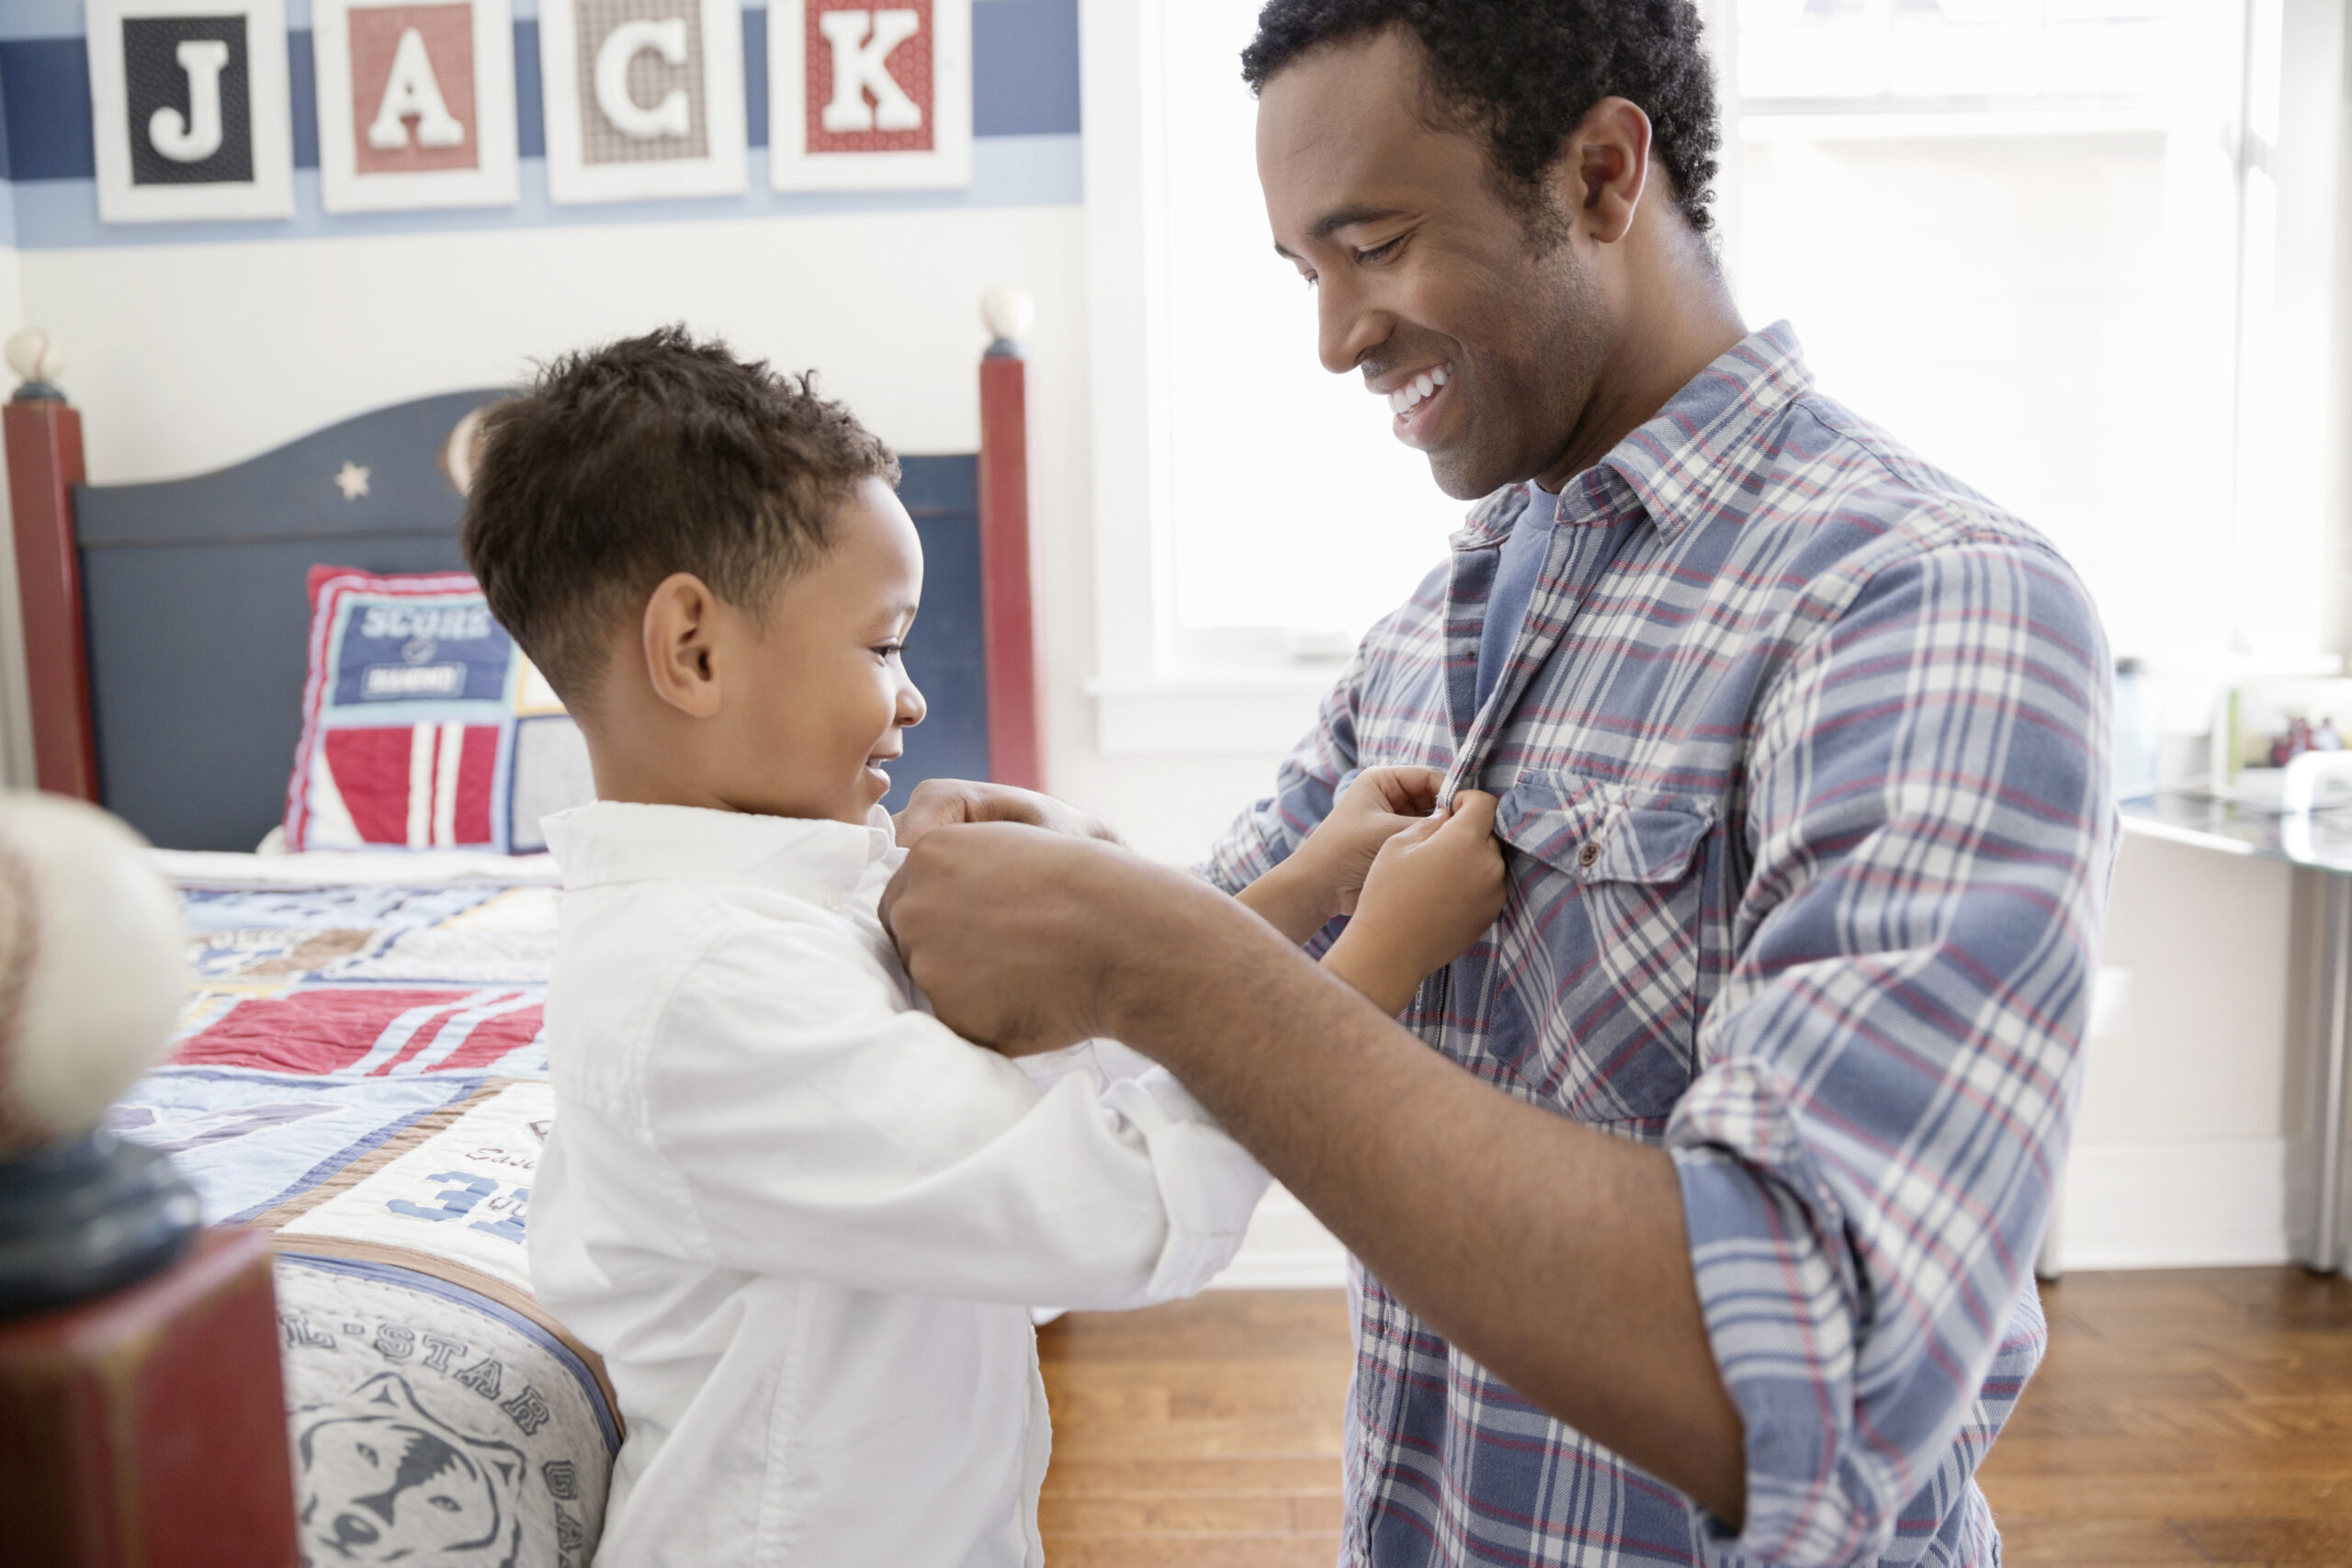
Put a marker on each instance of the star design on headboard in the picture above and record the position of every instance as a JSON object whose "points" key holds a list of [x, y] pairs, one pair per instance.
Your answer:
{"points": [[351, 481]]}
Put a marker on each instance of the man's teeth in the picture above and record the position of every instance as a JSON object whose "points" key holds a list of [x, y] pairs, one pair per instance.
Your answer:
{"points": [[1410, 396]]}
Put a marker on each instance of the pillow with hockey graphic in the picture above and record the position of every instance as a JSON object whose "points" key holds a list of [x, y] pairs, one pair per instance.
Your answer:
{"points": [[423, 726]]}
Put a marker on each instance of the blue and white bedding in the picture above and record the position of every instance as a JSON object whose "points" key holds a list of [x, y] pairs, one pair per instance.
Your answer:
{"points": [[361, 1071]]}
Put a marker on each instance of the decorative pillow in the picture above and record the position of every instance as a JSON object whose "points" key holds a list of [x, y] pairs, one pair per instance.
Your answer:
{"points": [[423, 726]]}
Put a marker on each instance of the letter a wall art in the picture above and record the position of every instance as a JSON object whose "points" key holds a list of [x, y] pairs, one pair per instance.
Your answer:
{"points": [[417, 104], [644, 98], [864, 96], [192, 119]]}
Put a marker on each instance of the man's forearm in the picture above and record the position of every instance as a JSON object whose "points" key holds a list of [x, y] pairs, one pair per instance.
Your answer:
{"points": [[1552, 1254]]}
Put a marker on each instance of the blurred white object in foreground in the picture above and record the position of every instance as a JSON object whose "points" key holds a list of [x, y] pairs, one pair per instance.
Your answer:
{"points": [[92, 966]]}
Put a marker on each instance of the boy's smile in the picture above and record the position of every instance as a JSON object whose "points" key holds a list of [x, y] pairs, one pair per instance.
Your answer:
{"points": [[828, 693]]}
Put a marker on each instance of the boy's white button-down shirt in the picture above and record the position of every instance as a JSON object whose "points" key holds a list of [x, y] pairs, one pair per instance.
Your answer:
{"points": [[803, 1221]]}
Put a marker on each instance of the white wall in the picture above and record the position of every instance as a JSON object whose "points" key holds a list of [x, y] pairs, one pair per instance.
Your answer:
{"points": [[2194, 1126], [16, 712]]}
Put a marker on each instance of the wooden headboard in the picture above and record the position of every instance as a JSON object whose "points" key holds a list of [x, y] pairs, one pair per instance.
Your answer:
{"points": [[164, 623]]}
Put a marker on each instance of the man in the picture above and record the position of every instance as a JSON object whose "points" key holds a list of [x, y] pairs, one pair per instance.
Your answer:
{"points": [[1695, 1207]]}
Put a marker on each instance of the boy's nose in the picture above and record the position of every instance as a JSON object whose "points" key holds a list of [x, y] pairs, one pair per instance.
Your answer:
{"points": [[911, 706]]}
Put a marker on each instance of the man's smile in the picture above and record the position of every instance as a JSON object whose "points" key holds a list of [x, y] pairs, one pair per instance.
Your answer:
{"points": [[1415, 398]]}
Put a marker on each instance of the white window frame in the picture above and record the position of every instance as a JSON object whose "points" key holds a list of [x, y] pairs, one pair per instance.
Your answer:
{"points": [[1148, 699]]}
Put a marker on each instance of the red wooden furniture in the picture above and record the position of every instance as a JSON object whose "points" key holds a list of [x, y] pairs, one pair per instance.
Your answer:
{"points": [[146, 1429], [1008, 576], [44, 440]]}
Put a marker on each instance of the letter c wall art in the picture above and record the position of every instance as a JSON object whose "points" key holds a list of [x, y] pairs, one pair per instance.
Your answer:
{"points": [[644, 98]]}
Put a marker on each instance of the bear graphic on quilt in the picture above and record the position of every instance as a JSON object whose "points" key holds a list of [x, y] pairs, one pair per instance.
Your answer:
{"points": [[360, 1072]]}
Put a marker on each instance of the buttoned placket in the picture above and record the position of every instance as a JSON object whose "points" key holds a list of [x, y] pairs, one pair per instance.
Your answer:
{"points": [[1591, 527]]}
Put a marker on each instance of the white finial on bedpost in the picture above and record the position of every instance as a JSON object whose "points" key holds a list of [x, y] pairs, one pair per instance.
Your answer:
{"points": [[39, 362], [1008, 313]]}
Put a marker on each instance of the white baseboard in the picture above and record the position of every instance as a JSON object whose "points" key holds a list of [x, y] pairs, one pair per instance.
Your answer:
{"points": [[2208, 1204], [2211, 1205], [1287, 1249]]}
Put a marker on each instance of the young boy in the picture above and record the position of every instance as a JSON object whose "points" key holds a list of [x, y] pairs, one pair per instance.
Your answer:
{"points": [[801, 1220]]}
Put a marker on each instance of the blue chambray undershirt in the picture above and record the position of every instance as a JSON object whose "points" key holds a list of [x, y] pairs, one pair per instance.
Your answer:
{"points": [[1515, 575]]}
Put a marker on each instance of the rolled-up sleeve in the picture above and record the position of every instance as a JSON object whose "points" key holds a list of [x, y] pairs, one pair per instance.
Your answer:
{"points": [[814, 1127], [1887, 1078]]}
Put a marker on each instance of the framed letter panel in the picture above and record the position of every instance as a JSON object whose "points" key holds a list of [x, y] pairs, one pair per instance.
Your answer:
{"points": [[644, 98], [867, 96], [191, 110], [417, 104]]}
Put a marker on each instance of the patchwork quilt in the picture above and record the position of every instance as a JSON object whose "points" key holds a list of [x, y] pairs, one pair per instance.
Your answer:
{"points": [[361, 1071]]}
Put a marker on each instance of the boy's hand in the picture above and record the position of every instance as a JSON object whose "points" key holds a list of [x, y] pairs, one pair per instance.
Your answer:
{"points": [[943, 803], [1323, 876], [1433, 890]]}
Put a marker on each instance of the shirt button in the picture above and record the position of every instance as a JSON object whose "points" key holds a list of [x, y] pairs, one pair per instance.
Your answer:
{"points": [[1589, 853]]}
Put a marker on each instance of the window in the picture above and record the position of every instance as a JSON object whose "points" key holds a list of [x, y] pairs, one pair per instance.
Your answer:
{"points": [[2036, 240], [1292, 508], [2008, 232]]}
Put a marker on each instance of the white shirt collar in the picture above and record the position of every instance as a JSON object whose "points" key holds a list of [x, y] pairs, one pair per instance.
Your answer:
{"points": [[612, 842]]}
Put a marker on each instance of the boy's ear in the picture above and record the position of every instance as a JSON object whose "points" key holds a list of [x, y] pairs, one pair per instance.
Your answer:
{"points": [[681, 629]]}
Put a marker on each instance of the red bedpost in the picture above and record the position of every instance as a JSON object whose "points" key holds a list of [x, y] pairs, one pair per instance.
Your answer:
{"points": [[146, 1427], [44, 443], [1008, 596]]}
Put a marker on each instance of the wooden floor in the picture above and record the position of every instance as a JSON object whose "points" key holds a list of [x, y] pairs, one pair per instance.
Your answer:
{"points": [[2187, 1418]]}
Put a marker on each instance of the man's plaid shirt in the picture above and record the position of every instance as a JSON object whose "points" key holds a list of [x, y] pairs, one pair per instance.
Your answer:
{"points": [[1801, 757]]}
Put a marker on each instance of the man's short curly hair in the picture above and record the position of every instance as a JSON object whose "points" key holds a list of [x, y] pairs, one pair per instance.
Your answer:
{"points": [[1524, 72], [622, 465]]}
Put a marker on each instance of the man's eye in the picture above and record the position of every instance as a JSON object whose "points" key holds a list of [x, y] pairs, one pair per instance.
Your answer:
{"points": [[1380, 253]]}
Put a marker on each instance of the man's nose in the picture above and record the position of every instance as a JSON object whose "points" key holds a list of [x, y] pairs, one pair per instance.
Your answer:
{"points": [[1347, 327]]}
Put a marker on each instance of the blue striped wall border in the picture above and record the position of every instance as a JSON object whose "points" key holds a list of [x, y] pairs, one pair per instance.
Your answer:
{"points": [[1024, 83], [1007, 171]]}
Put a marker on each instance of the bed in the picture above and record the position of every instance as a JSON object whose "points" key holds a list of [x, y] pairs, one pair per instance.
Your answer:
{"points": [[361, 1071]]}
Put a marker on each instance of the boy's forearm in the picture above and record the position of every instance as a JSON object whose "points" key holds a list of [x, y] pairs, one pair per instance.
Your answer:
{"points": [[1287, 899], [1386, 979]]}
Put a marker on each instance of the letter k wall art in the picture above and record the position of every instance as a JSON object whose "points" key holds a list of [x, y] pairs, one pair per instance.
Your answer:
{"points": [[190, 103], [862, 96]]}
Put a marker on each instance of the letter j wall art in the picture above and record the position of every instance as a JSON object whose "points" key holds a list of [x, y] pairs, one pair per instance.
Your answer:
{"points": [[190, 102]]}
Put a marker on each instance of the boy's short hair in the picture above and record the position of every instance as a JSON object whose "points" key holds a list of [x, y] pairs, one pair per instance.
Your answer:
{"points": [[655, 455]]}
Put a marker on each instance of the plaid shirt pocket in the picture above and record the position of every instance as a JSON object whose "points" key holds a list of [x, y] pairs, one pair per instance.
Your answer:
{"points": [[1597, 966]]}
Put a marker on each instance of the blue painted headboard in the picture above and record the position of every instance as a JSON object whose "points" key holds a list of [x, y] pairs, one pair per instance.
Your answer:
{"points": [[196, 614]]}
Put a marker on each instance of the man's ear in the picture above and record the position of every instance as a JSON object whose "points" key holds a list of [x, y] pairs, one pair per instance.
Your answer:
{"points": [[1602, 169], [681, 634]]}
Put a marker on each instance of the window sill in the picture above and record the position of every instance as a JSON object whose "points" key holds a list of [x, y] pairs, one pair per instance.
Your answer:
{"points": [[1204, 715]]}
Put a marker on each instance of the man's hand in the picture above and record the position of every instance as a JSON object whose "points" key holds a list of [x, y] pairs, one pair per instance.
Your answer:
{"points": [[942, 802], [1019, 936], [1433, 889], [1324, 875], [1577, 1289]]}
